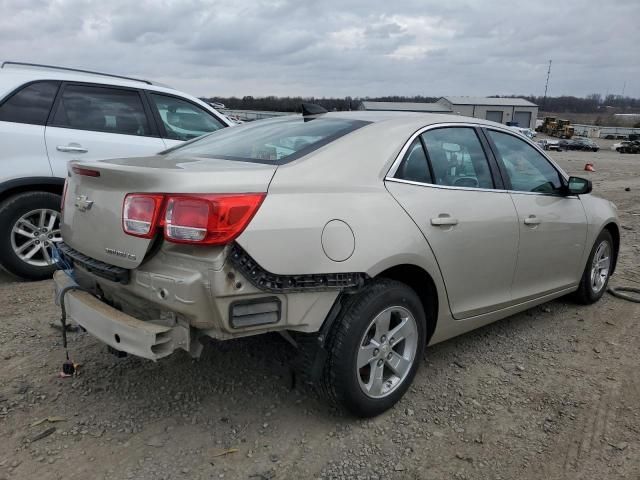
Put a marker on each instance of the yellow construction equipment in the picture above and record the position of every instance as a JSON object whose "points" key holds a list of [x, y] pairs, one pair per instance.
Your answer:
{"points": [[556, 127]]}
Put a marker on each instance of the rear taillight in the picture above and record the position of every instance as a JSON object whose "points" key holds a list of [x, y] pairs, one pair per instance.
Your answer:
{"points": [[215, 219], [140, 214], [206, 219], [64, 194]]}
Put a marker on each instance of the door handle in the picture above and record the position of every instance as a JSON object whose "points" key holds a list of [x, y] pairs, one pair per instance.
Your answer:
{"points": [[71, 149], [444, 220], [532, 220]]}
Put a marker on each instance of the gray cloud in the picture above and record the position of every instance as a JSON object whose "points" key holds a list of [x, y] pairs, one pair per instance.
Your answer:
{"points": [[331, 47]]}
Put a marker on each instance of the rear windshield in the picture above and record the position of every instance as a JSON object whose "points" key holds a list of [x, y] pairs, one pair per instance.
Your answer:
{"points": [[274, 141]]}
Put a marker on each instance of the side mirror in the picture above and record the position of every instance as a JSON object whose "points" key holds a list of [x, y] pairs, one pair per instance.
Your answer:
{"points": [[578, 186]]}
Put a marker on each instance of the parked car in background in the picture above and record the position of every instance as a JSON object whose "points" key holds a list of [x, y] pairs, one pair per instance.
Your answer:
{"points": [[580, 143], [527, 132], [360, 236], [549, 144], [217, 105], [50, 115], [615, 146], [564, 144], [630, 146], [583, 144]]}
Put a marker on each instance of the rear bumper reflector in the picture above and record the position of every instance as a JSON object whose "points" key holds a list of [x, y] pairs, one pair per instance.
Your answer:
{"points": [[257, 311]]}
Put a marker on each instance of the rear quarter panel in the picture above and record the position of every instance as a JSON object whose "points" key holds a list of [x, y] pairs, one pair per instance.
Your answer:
{"points": [[343, 181]]}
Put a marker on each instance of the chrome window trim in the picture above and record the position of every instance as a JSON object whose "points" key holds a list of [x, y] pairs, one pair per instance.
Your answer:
{"points": [[396, 163], [390, 176], [474, 189], [518, 192], [444, 187]]}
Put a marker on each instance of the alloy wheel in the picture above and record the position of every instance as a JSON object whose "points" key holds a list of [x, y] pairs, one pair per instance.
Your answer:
{"points": [[33, 236], [600, 266], [387, 352]]}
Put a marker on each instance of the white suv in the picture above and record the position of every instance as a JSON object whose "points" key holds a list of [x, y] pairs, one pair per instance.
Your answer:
{"points": [[50, 115]]}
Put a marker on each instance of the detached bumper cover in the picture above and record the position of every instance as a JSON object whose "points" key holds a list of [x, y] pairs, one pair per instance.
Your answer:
{"points": [[111, 326]]}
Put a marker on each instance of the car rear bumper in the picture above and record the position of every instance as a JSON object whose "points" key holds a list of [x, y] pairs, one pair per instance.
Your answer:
{"points": [[117, 329], [209, 293]]}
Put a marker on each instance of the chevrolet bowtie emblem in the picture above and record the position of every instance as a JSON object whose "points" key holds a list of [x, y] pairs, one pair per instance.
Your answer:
{"points": [[83, 203]]}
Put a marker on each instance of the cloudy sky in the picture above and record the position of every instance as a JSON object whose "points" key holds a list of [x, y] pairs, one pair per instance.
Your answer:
{"points": [[338, 47]]}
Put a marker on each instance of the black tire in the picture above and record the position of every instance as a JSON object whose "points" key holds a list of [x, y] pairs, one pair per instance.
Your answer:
{"points": [[340, 381], [10, 212], [586, 294]]}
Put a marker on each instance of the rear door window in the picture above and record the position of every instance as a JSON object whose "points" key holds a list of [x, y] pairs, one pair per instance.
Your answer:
{"points": [[457, 158], [183, 120], [528, 170], [102, 109], [31, 104], [414, 166]]}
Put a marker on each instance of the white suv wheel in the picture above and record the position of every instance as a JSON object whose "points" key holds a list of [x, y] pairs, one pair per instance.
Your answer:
{"points": [[29, 228], [33, 236]]}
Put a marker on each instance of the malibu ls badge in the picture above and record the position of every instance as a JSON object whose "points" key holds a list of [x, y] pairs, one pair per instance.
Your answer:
{"points": [[120, 253]]}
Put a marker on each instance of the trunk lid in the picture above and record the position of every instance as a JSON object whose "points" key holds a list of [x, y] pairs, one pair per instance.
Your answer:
{"points": [[92, 216]]}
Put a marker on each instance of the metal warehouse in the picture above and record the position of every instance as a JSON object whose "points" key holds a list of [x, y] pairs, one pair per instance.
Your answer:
{"points": [[501, 110]]}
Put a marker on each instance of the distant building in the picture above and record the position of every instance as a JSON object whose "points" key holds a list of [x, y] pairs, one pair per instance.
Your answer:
{"points": [[404, 107], [501, 110]]}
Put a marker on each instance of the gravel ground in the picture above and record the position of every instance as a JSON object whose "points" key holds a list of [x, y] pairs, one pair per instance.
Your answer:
{"points": [[549, 393]]}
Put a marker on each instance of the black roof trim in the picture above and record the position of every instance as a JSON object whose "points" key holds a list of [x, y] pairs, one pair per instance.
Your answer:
{"points": [[68, 69], [312, 109]]}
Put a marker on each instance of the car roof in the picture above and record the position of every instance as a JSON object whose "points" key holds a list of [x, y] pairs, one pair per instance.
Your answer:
{"points": [[12, 76], [409, 119]]}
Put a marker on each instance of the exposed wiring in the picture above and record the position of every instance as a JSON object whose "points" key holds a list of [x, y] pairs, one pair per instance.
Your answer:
{"points": [[68, 367], [61, 262]]}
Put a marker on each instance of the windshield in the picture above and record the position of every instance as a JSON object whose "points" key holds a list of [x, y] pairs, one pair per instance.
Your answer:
{"points": [[274, 141]]}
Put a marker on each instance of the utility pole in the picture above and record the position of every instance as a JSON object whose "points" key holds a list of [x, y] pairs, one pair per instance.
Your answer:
{"points": [[624, 86], [546, 86]]}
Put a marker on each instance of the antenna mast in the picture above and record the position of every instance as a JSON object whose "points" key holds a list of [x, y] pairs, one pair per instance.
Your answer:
{"points": [[546, 86]]}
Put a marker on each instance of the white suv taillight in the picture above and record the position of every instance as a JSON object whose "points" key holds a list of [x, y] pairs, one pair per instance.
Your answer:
{"points": [[215, 219], [140, 214], [64, 194]]}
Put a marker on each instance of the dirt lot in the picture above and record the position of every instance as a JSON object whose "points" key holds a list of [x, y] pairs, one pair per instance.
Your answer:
{"points": [[551, 393]]}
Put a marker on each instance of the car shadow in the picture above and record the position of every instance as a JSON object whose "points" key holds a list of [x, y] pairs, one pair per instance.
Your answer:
{"points": [[248, 376]]}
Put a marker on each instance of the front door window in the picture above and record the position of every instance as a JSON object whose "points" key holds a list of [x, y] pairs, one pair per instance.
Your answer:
{"points": [[528, 170]]}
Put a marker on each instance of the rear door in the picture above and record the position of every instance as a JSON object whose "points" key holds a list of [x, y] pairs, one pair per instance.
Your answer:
{"points": [[179, 119], [553, 226], [93, 122], [23, 115], [454, 194]]}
